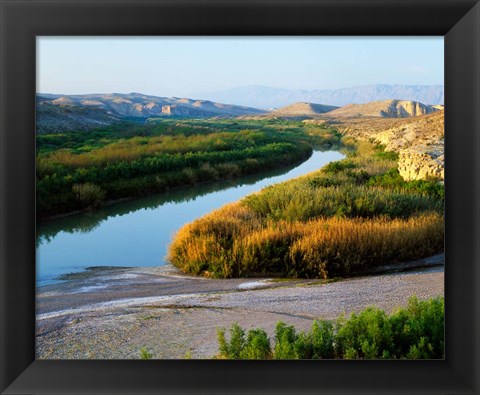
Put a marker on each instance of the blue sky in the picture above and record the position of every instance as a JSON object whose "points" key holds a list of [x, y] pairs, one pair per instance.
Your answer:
{"points": [[182, 66]]}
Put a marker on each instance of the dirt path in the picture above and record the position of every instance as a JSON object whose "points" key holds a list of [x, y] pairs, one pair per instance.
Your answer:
{"points": [[112, 313]]}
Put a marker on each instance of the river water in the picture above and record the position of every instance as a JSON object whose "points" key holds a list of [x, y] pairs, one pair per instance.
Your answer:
{"points": [[137, 232]]}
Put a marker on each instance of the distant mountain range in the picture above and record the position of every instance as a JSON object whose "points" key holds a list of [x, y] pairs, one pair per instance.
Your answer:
{"points": [[139, 105], [59, 113], [269, 97]]}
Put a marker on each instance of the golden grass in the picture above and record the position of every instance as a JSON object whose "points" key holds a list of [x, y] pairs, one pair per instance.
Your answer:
{"points": [[325, 224], [136, 147], [339, 246], [234, 241]]}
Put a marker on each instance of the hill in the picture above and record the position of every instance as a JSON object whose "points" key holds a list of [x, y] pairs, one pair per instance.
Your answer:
{"points": [[303, 110], [54, 118], [384, 109], [270, 97], [57, 113]]}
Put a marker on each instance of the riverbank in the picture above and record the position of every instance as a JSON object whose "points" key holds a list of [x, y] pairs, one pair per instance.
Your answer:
{"points": [[111, 235], [78, 172], [113, 312], [348, 216]]}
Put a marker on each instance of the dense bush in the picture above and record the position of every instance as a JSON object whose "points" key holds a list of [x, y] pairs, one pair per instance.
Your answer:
{"points": [[89, 194], [414, 332], [255, 346], [133, 160], [338, 166], [298, 201], [145, 354], [393, 180], [235, 242]]}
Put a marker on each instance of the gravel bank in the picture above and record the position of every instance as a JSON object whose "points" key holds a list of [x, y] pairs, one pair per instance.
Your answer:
{"points": [[113, 312]]}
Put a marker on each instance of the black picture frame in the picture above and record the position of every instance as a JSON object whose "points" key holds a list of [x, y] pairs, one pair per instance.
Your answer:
{"points": [[22, 20]]}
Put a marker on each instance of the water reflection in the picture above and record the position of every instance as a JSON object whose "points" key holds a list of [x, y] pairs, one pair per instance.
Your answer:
{"points": [[88, 221], [137, 232]]}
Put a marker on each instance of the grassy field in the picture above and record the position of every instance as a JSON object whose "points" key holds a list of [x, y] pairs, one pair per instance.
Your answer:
{"points": [[83, 169], [352, 215]]}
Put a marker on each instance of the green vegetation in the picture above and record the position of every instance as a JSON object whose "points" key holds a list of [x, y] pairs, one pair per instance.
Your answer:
{"points": [[145, 354], [348, 217], [89, 194], [414, 332], [82, 170], [394, 181]]}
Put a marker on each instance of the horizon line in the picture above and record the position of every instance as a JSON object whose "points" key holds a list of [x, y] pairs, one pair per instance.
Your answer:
{"points": [[238, 87]]}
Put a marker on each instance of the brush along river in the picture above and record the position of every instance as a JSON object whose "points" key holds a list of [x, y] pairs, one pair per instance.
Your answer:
{"points": [[137, 232], [132, 299]]}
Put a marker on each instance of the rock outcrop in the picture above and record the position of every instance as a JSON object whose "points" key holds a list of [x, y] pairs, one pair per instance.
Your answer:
{"points": [[418, 140], [384, 109], [422, 162], [175, 110]]}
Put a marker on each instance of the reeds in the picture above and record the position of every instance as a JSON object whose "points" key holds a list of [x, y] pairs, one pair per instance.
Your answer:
{"points": [[234, 241], [350, 216]]}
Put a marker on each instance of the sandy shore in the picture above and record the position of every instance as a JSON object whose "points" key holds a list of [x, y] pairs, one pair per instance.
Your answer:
{"points": [[114, 312]]}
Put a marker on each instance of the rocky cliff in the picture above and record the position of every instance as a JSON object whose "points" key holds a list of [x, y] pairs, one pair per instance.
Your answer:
{"points": [[384, 109], [422, 162], [418, 140]]}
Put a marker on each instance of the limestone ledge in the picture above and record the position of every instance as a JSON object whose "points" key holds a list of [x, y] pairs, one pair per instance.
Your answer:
{"points": [[422, 162], [419, 140]]}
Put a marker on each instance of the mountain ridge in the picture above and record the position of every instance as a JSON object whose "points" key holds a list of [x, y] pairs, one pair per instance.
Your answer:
{"points": [[58, 112], [265, 97], [138, 104]]}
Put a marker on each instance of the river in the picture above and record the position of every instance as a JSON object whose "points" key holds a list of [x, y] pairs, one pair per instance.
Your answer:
{"points": [[137, 232]]}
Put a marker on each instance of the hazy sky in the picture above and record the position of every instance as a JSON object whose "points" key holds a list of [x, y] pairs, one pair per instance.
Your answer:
{"points": [[178, 66]]}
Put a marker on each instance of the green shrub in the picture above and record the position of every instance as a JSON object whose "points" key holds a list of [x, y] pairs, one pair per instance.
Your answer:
{"points": [[322, 338], [285, 338], [388, 155], [129, 160], [419, 329], [89, 195], [145, 354], [338, 166], [231, 349], [358, 177], [414, 332], [257, 345], [393, 180], [367, 335], [323, 182]]}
